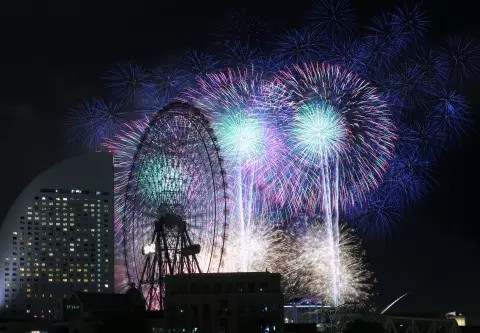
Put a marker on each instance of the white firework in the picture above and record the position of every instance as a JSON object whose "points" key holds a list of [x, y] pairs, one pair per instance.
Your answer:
{"points": [[308, 267]]}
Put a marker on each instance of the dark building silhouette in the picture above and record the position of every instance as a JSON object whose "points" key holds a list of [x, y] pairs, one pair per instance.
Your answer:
{"points": [[224, 302]]}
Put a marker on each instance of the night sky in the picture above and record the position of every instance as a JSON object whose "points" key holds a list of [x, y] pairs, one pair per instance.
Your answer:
{"points": [[53, 56]]}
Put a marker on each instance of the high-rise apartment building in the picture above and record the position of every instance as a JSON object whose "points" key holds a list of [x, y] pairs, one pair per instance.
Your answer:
{"points": [[58, 238]]}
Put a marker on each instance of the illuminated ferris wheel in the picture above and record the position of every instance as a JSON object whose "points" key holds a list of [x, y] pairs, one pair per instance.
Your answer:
{"points": [[174, 219]]}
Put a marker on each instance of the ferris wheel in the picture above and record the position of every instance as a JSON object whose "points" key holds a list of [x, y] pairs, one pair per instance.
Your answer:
{"points": [[175, 212]]}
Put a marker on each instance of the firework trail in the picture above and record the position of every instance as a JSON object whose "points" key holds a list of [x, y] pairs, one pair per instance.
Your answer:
{"points": [[341, 134], [314, 134], [251, 146], [302, 254]]}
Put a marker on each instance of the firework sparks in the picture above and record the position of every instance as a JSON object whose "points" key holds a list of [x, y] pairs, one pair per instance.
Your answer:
{"points": [[92, 121], [342, 134], [251, 146], [309, 269]]}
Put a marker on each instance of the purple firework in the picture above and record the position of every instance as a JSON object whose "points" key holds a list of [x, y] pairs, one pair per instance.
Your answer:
{"points": [[333, 116]]}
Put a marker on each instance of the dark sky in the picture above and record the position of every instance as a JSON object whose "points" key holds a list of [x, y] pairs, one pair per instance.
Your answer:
{"points": [[53, 55]]}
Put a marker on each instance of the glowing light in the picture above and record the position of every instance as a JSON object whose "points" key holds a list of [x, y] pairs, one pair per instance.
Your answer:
{"points": [[343, 137], [149, 248], [318, 131], [161, 176], [307, 266], [256, 249], [252, 148], [241, 136]]}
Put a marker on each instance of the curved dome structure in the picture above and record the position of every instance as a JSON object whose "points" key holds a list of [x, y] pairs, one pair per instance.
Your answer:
{"points": [[58, 237]]}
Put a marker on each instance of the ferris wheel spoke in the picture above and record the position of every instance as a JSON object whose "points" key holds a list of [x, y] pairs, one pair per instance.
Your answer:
{"points": [[175, 201]]}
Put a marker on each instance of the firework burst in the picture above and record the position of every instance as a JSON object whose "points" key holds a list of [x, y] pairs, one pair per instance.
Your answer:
{"points": [[351, 54], [333, 115], [412, 20], [342, 136], [385, 39], [250, 144], [151, 100], [242, 26], [235, 53], [335, 18], [169, 80], [125, 80], [454, 113], [258, 250], [92, 121], [308, 268], [198, 62], [461, 54], [299, 45]]}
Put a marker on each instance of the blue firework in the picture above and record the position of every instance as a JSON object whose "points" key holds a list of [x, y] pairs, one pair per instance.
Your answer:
{"points": [[242, 26], [404, 83], [300, 45], [407, 181], [92, 121], [453, 111], [197, 62], [432, 65], [412, 20], [425, 139], [462, 55], [169, 80], [408, 178], [125, 80], [385, 38], [377, 215], [335, 18], [240, 54], [152, 100], [353, 54]]}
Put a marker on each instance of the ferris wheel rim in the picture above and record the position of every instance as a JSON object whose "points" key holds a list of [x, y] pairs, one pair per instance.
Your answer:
{"points": [[200, 123]]}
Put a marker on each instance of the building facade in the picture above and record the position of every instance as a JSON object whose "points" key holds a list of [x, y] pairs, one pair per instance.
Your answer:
{"points": [[58, 238], [224, 302]]}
